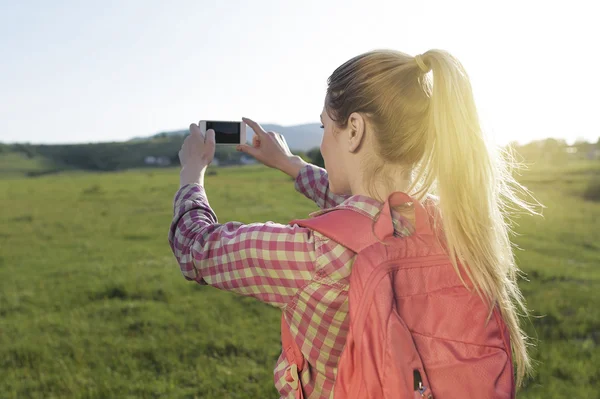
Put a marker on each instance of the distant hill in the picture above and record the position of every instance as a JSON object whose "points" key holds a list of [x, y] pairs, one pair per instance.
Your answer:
{"points": [[299, 137]]}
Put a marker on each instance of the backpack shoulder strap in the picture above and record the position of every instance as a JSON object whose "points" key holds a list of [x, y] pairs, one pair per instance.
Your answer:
{"points": [[357, 231], [349, 228], [294, 357]]}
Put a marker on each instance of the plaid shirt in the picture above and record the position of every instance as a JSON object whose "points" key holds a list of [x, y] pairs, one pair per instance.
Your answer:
{"points": [[294, 268]]}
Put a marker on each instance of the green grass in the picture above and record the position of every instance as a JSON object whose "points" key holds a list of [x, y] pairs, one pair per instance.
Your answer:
{"points": [[92, 303]]}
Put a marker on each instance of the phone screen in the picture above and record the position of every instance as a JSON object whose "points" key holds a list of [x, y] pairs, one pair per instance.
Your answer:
{"points": [[225, 132]]}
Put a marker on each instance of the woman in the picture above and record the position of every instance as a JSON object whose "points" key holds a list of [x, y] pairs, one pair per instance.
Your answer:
{"points": [[389, 125]]}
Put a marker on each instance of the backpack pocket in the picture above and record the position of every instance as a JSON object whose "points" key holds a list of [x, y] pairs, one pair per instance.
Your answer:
{"points": [[403, 374]]}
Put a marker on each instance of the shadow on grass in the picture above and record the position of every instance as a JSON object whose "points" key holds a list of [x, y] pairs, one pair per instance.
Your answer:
{"points": [[119, 292], [592, 192]]}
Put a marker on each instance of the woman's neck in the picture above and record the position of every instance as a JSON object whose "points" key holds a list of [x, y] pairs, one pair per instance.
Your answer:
{"points": [[379, 187]]}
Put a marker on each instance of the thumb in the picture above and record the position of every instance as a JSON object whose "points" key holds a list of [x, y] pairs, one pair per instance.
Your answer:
{"points": [[248, 149], [210, 137]]}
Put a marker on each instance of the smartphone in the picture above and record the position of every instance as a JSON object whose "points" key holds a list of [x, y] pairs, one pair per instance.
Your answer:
{"points": [[226, 132]]}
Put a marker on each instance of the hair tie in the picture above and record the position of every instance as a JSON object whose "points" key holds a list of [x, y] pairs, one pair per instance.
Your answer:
{"points": [[421, 64]]}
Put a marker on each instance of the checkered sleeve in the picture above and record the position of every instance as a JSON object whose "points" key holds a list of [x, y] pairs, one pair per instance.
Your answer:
{"points": [[268, 261], [313, 182]]}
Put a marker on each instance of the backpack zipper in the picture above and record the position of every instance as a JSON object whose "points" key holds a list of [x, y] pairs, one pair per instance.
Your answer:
{"points": [[418, 384]]}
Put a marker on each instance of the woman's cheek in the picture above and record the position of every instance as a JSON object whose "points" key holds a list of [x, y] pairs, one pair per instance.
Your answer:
{"points": [[326, 146], [330, 165]]}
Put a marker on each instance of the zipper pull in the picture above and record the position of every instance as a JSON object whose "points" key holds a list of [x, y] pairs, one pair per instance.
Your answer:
{"points": [[418, 384], [418, 381]]}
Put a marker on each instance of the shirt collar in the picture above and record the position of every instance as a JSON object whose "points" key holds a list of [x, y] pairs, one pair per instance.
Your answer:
{"points": [[370, 207]]}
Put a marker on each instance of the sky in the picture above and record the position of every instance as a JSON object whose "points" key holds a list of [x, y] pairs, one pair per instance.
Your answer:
{"points": [[93, 71]]}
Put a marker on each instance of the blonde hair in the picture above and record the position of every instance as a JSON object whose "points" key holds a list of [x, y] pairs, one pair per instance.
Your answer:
{"points": [[427, 125]]}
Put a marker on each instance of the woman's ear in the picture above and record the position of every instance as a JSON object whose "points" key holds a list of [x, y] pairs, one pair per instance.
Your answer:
{"points": [[356, 131]]}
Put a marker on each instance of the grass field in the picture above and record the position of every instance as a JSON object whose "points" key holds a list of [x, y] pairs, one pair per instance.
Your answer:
{"points": [[92, 303]]}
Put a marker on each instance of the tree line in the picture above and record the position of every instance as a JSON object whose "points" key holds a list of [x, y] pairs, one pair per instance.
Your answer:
{"points": [[133, 154]]}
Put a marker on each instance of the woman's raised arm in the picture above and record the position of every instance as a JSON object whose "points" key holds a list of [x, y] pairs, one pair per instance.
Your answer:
{"points": [[268, 261], [271, 149]]}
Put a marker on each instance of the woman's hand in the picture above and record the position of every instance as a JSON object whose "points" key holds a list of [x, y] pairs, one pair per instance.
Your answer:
{"points": [[271, 149], [196, 153]]}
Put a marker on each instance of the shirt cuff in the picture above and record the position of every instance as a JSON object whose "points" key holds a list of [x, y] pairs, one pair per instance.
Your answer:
{"points": [[303, 180]]}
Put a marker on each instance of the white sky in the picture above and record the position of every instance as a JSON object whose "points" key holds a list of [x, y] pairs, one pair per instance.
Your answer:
{"points": [[81, 71]]}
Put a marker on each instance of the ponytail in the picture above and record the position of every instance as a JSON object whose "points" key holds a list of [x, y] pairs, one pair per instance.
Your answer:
{"points": [[476, 190]]}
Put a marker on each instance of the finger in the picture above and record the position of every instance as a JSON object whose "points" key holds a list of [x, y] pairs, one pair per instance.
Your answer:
{"points": [[282, 137], [248, 149], [195, 130], [255, 126], [255, 141], [210, 138]]}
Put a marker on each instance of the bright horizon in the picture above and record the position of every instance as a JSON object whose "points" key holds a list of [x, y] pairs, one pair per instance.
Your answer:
{"points": [[111, 71]]}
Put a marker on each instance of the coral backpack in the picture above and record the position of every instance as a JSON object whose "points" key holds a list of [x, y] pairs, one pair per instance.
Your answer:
{"points": [[415, 330]]}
